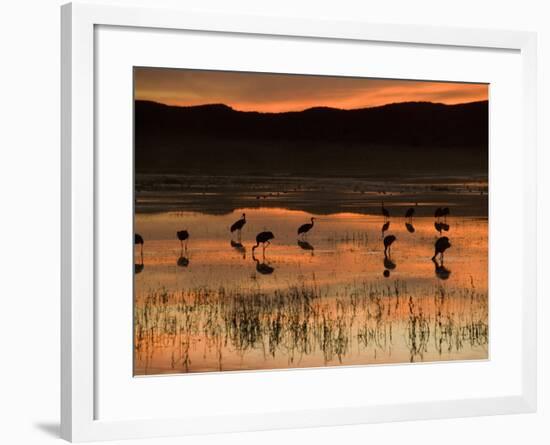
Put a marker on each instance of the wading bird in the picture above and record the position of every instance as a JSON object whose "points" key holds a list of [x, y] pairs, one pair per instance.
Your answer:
{"points": [[441, 227], [304, 228], [438, 213], [409, 213], [388, 241], [238, 225], [138, 239], [445, 212], [385, 212], [441, 245], [263, 238], [385, 227], [183, 235]]}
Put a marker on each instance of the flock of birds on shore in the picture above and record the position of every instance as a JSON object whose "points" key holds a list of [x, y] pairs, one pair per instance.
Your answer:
{"points": [[264, 239]]}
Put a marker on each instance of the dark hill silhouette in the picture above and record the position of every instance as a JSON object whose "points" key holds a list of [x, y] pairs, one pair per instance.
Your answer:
{"points": [[396, 139]]}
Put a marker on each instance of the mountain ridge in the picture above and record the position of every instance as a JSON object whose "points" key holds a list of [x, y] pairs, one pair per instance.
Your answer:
{"points": [[216, 139]]}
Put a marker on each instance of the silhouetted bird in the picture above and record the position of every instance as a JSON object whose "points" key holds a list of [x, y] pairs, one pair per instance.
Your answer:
{"points": [[138, 239], [183, 235], [409, 213], [261, 267], [388, 241], [441, 245], [385, 212], [438, 212], [445, 212], [304, 228], [441, 226], [385, 227], [239, 224], [263, 238]]}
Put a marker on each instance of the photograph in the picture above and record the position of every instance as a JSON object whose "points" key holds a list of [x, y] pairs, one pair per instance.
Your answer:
{"points": [[287, 221]]}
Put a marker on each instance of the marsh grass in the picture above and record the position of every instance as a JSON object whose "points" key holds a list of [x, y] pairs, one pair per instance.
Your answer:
{"points": [[303, 321]]}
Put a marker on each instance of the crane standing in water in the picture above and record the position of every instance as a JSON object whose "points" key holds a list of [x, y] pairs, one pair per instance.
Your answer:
{"points": [[183, 235], [263, 238], [138, 239], [410, 212], [305, 228], [388, 241], [238, 225], [441, 245], [385, 212]]}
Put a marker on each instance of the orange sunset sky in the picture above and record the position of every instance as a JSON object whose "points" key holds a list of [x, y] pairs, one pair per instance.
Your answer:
{"points": [[287, 92]]}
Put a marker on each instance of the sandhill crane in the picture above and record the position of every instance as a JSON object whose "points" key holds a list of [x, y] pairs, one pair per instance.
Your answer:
{"points": [[263, 238], [238, 225], [138, 239], [410, 212], [385, 212], [388, 241], [183, 235], [304, 228], [441, 245], [385, 227]]}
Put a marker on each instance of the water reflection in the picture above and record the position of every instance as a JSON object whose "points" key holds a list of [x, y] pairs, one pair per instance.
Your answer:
{"points": [[441, 227], [409, 227], [441, 271], [138, 240], [138, 267], [262, 266], [238, 246], [331, 308], [306, 246], [183, 261], [389, 264]]}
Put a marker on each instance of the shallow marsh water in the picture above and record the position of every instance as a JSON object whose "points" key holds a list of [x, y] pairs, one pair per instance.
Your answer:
{"points": [[213, 305]]}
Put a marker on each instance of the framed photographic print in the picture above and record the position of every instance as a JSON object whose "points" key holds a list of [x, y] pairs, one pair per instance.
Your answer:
{"points": [[291, 223]]}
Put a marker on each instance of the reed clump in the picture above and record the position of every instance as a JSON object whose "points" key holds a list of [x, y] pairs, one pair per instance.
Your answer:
{"points": [[371, 320]]}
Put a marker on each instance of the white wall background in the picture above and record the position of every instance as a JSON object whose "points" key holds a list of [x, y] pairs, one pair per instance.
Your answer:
{"points": [[29, 218]]}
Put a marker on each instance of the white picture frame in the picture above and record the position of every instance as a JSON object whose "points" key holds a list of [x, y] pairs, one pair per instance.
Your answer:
{"points": [[79, 415]]}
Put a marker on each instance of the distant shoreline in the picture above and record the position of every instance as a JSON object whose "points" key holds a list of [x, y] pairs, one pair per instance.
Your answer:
{"points": [[224, 194]]}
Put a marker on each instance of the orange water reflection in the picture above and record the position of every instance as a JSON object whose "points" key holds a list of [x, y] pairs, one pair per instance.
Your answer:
{"points": [[194, 305]]}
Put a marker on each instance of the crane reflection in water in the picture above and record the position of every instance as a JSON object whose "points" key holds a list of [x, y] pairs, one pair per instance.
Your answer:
{"points": [[331, 308]]}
